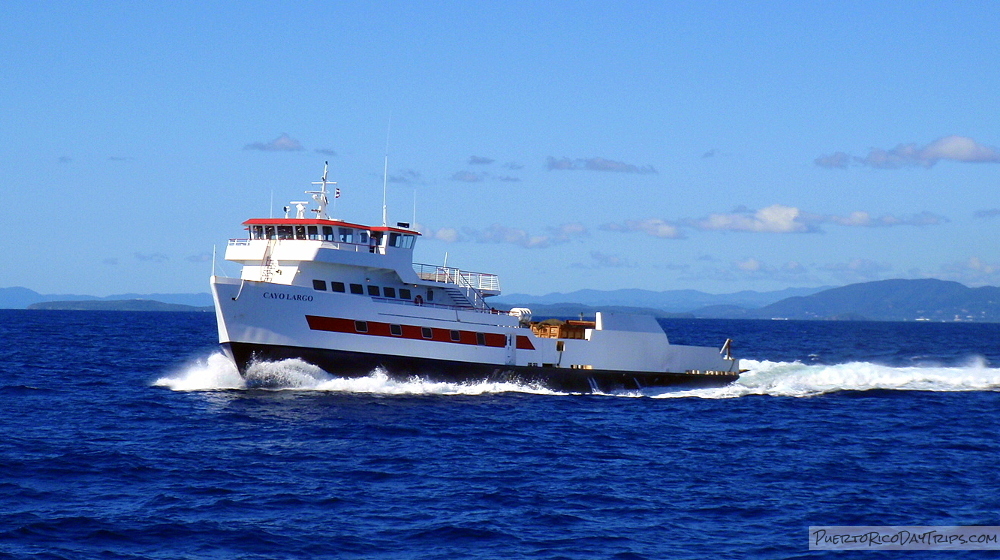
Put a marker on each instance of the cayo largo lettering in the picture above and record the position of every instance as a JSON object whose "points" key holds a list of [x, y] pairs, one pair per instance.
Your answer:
{"points": [[289, 297]]}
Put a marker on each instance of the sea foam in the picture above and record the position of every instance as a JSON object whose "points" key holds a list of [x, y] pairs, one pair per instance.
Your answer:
{"points": [[779, 379]]}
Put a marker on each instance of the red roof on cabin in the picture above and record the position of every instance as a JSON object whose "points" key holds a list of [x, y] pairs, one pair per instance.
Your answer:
{"points": [[316, 222]]}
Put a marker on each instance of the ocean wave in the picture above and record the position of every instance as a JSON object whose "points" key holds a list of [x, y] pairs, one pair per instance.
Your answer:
{"points": [[780, 379]]}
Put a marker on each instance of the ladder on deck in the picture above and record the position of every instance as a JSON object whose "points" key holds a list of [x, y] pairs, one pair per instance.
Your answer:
{"points": [[267, 264]]}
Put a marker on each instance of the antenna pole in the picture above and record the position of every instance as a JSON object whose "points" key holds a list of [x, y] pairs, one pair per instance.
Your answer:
{"points": [[385, 172]]}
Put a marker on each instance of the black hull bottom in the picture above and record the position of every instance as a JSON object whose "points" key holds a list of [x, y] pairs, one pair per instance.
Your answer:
{"points": [[358, 364]]}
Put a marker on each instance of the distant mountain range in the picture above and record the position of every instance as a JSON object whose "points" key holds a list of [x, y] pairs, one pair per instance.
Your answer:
{"points": [[886, 300], [21, 298], [671, 301]]}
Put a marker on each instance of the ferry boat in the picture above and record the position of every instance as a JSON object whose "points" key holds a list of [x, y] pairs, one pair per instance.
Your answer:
{"points": [[349, 299]]}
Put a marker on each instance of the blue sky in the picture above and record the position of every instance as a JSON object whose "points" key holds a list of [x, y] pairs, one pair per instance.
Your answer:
{"points": [[713, 145]]}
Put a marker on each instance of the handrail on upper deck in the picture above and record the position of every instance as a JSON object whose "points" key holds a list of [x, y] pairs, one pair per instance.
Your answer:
{"points": [[461, 278]]}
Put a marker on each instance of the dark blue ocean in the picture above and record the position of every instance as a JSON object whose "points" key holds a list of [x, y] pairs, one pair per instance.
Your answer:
{"points": [[127, 435]]}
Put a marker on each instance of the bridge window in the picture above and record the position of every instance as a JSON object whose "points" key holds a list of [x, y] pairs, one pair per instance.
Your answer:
{"points": [[269, 232], [404, 293], [327, 233], [319, 285], [362, 238], [373, 291], [337, 286], [357, 289], [346, 235], [300, 232], [285, 232], [313, 232], [389, 292], [257, 232], [401, 241]]}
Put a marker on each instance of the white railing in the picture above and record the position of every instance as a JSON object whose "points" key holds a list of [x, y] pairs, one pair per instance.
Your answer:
{"points": [[485, 309], [462, 278]]}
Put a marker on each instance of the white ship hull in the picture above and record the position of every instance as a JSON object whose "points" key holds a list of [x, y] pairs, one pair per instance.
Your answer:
{"points": [[265, 321]]}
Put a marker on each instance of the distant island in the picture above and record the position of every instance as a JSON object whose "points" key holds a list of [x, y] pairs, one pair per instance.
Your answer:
{"points": [[884, 300], [118, 305]]}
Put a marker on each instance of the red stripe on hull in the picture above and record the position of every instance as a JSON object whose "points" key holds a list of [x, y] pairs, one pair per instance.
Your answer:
{"points": [[412, 332]]}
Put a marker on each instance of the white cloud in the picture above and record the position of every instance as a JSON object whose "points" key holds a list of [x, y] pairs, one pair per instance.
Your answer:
{"points": [[603, 260], [565, 232], [595, 164], [857, 270], [748, 265], [448, 235], [776, 218], [498, 233], [467, 177], [406, 177], [864, 219], [973, 271], [651, 226], [838, 160], [283, 143], [779, 218], [151, 257], [954, 148]]}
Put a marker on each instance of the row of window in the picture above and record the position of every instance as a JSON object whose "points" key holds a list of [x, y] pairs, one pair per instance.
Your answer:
{"points": [[341, 234], [376, 291], [426, 332]]}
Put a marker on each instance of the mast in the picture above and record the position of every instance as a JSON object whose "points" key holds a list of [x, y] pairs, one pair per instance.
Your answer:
{"points": [[320, 195]]}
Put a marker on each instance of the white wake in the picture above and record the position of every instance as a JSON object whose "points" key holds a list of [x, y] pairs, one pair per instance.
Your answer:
{"points": [[795, 379], [780, 379], [217, 373]]}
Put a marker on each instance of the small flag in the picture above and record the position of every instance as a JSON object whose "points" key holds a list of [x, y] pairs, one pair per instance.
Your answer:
{"points": [[336, 193]]}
